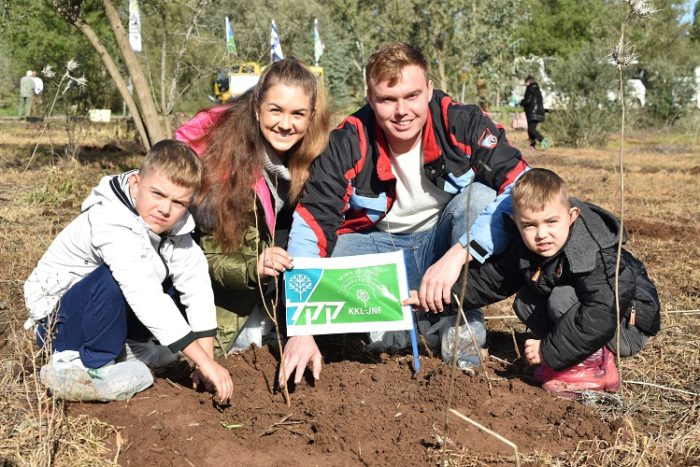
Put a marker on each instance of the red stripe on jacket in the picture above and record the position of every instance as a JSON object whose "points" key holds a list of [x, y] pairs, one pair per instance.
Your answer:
{"points": [[316, 229]]}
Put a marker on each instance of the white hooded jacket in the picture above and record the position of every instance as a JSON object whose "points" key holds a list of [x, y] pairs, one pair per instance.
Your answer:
{"points": [[109, 231]]}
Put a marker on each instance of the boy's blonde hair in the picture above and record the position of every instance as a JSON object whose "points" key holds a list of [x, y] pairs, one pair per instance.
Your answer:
{"points": [[176, 161], [388, 62], [538, 187]]}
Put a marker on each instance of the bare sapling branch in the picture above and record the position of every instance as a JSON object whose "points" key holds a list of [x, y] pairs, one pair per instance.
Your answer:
{"points": [[271, 307], [622, 55], [490, 432]]}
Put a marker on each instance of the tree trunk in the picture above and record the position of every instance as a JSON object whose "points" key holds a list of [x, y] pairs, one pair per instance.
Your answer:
{"points": [[148, 112], [165, 110], [441, 72], [118, 79]]}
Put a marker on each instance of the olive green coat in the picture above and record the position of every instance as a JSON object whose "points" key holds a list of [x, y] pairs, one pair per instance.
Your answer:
{"points": [[235, 281]]}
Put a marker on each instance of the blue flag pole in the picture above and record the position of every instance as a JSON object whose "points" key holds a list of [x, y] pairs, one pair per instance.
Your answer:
{"points": [[414, 337], [414, 345]]}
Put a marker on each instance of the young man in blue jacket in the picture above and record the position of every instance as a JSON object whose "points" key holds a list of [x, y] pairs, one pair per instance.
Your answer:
{"points": [[410, 170]]}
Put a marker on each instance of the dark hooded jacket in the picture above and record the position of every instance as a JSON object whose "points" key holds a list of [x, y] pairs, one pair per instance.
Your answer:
{"points": [[586, 263], [532, 103]]}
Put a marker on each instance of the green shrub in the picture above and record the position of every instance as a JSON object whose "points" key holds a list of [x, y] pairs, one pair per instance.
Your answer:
{"points": [[669, 93], [583, 115]]}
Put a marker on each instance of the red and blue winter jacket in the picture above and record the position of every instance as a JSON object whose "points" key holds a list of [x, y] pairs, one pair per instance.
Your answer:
{"points": [[352, 186]]}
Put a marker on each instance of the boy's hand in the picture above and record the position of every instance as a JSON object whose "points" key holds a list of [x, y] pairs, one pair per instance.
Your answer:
{"points": [[297, 354], [412, 300], [215, 377], [532, 351], [273, 261]]}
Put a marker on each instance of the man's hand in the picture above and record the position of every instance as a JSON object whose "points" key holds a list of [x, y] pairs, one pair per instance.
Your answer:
{"points": [[273, 261], [533, 354], [214, 377], [297, 354], [436, 285]]}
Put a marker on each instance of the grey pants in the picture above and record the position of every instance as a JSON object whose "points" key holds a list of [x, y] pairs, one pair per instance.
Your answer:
{"points": [[541, 313]]}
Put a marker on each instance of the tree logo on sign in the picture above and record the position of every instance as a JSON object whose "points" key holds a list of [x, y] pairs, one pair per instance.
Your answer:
{"points": [[363, 296], [300, 283]]}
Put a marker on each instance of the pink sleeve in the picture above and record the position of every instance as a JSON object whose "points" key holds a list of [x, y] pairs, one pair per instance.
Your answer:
{"points": [[197, 126]]}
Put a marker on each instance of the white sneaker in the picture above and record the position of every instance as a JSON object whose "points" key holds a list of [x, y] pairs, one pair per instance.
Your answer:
{"points": [[255, 328], [68, 379]]}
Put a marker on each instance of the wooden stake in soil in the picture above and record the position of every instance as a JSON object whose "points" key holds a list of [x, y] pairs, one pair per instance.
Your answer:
{"points": [[490, 432]]}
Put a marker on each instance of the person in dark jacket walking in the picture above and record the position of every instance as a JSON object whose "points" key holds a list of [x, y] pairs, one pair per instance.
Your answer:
{"points": [[561, 263], [534, 112]]}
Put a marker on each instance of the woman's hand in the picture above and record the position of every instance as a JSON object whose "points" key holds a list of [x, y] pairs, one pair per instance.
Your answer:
{"points": [[273, 261]]}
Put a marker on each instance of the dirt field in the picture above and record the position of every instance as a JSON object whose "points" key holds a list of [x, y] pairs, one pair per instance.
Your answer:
{"points": [[368, 409]]}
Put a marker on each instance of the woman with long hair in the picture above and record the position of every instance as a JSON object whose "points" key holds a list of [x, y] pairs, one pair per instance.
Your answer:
{"points": [[256, 151]]}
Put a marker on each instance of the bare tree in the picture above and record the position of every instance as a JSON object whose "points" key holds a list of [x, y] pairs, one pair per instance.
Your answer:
{"points": [[145, 116], [171, 87]]}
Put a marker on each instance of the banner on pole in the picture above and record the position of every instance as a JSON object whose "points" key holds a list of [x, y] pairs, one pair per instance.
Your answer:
{"points": [[347, 294], [318, 43], [134, 25], [275, 47], [230, 40]]}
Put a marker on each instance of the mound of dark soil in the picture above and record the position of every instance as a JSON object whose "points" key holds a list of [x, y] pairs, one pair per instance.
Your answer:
{"points": [[365, 410]]}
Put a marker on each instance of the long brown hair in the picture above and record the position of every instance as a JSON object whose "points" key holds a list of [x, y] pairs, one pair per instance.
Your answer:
{"points": [[235, 153]]}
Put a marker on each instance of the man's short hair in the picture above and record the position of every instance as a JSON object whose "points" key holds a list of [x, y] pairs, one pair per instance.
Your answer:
{"points": [[388, 62], [529, 79], [538, 187], [175, 160]]}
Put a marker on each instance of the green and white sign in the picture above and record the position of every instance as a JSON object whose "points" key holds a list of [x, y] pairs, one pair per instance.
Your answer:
{"points": [[347, 294]]}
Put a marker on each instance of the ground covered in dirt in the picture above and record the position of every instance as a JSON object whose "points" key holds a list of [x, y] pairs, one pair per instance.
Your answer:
{"points": [[365, 409], [368, 409]]}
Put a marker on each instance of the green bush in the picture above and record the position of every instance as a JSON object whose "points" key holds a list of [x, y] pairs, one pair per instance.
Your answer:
{"points": [[669, 93], [583, 115]]}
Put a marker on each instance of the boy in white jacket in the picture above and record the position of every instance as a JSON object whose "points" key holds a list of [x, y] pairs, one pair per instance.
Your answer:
{"points": [[125, 268]]}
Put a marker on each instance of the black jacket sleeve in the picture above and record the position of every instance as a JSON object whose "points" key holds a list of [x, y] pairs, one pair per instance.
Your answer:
{"points": [[495, 280], [494, 161], [320, 211]]}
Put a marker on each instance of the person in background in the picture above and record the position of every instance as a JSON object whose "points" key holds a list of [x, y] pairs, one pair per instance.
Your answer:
{"points": [[38, 94], [26, 94], [534, 113]]}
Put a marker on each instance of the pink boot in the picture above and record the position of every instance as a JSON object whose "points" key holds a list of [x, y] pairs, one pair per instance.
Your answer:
{"points": [[596, 373]]}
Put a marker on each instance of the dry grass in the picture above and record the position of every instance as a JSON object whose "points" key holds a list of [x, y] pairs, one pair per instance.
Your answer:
{"points": [[39, 196], [658, 425]]}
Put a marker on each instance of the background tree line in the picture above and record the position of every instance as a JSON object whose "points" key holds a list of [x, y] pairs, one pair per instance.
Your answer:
{"points": [[476, 48]]}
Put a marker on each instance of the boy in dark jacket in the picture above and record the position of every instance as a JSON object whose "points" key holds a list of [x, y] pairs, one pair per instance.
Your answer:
{"points": [[562, 266], [533, 107]]}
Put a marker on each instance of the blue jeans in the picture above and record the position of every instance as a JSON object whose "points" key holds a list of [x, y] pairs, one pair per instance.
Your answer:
{"points": [[422, 249], [94, 319]]}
